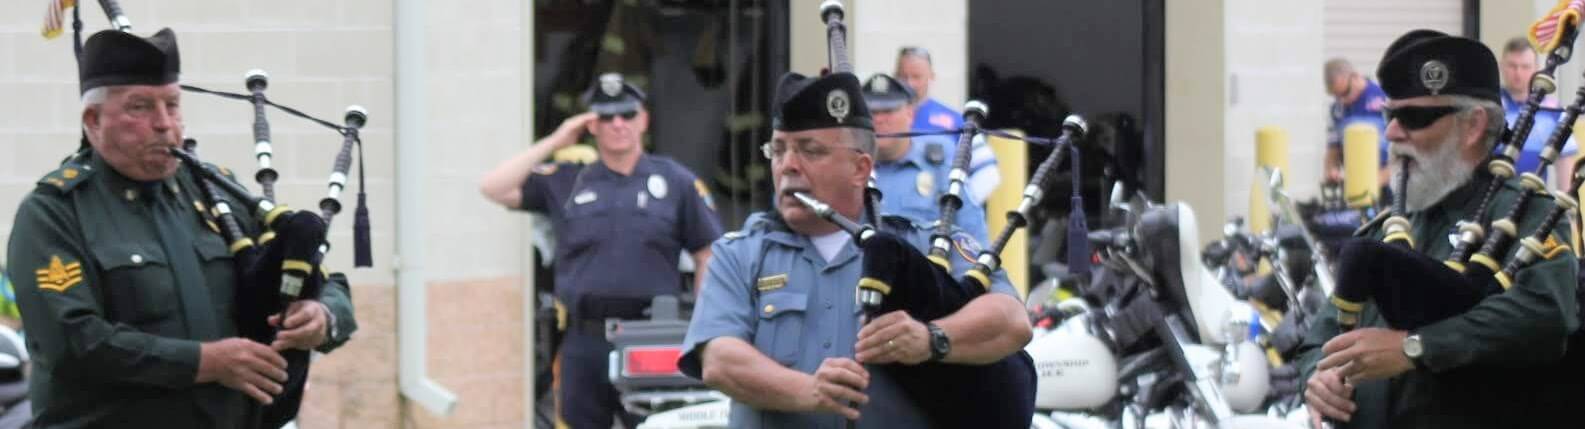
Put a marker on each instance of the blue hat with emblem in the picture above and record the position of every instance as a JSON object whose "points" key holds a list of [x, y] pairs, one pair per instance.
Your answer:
{"points": [[883, 92], [830, 101], [613, 96]]}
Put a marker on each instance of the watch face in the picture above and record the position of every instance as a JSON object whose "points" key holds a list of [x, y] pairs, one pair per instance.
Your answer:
{"points": [[1412, 346], [939, 344]]}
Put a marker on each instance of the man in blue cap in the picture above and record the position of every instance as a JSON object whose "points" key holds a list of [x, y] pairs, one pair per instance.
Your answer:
{"points": [[912, 172], [621, 224]]}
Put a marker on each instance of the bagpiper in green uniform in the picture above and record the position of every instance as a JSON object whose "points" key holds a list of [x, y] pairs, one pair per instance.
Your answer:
{"points": [[1497, 364], [126, 291]]}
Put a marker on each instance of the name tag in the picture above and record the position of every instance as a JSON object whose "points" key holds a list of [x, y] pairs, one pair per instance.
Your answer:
{"points": [[771, 283], [584, 198]]}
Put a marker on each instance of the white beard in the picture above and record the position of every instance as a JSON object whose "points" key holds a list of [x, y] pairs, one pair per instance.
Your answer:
{"points": [[1432, 175]]}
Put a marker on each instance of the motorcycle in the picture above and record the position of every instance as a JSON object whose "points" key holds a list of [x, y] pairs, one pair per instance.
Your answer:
{"points": [[1153, 341], [643, 365]]}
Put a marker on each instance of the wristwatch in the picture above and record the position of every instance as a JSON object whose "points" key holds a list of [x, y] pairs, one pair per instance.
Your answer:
{"points": [[1413, 348], [940, 345]]}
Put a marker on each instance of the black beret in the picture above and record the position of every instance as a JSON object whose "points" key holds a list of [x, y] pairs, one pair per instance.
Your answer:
{"points": [[806, 103], [1426, 62], [112, 58], [884, 92], [612, 96]]}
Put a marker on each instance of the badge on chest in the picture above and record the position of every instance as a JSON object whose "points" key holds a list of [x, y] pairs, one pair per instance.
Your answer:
{"points": [[657, 186], [584, 197]]}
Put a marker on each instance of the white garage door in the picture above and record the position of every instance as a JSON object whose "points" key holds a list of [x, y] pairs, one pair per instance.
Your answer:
{"points": [[1360, 30]]}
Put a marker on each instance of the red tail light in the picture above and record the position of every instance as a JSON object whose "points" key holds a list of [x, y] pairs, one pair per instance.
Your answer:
{"points": [[653, 361]]}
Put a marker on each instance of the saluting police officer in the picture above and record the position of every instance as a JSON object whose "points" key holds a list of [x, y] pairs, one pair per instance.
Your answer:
{"points": [[912, 172], [126, 292], [1497, 364], [776, 324], [621, 224]]}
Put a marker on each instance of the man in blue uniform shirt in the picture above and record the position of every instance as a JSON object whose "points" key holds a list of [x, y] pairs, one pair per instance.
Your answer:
{"points": [[915, 68], [912, 172], [776, 327], [1356, 100], [621, 223], [1518, 65]]}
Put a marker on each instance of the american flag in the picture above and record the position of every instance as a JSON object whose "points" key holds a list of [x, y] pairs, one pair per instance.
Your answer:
{"points": [[56, 15], [1545, 35]]}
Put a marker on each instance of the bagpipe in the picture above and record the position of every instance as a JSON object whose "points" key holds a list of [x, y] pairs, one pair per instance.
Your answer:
{"points": [[283, 261], [1411, 289], [897, 276]]}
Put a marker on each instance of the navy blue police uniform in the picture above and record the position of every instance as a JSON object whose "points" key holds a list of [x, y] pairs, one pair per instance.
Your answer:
{"points": [[619, 238]]}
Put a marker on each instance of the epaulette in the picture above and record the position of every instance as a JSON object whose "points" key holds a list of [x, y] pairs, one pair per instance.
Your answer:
{"points": [[70, 174], [1374, 222], [223, 172], [756, 223], [895, 221]]}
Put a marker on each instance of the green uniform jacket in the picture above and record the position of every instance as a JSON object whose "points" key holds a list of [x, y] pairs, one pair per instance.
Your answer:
{"points": [[1496, 365], [113, 322]]}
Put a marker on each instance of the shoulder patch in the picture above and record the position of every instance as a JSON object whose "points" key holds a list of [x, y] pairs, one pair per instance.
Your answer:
{"points": [[896, 221], [58, 276], [704, 193], [967, 246], [731, 236], [67, 177], [545, 169]]}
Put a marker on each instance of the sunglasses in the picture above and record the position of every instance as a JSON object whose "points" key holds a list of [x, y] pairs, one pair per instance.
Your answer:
{"points": [[625, 115], [1416, 117]]}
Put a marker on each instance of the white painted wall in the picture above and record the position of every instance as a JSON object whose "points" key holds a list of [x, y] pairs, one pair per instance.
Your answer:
{"points": [[1196, 97], [1274, 67], [322, 55], [881, 27]]}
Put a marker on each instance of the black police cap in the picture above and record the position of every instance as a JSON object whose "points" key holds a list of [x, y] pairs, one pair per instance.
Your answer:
{"points": [[883, 92], [1426, 62], [112, 58], [613, 96], [830, 101]]}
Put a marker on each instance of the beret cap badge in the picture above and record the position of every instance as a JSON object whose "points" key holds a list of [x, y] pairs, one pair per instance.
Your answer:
{"points": [[837, 104], [1434, 75]]}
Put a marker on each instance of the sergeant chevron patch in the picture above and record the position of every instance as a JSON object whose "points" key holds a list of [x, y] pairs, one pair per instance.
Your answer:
{"points": [[59, 277]]}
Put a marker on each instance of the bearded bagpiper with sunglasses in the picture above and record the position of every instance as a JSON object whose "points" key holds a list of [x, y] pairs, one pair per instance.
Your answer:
{"points": [[1497, 364], [621, 223]]}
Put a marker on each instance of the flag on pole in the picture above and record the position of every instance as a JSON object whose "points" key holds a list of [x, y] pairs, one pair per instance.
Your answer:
{"points": [[56, 16], [1547, 33]]}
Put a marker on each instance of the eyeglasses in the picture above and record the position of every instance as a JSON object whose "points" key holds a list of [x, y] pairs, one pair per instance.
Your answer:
{"points": [[1416, 117], [629, 115], [807, 150]]}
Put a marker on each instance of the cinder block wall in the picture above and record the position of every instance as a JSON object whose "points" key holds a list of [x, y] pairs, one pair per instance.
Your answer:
{"points": [[323, 55]]}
